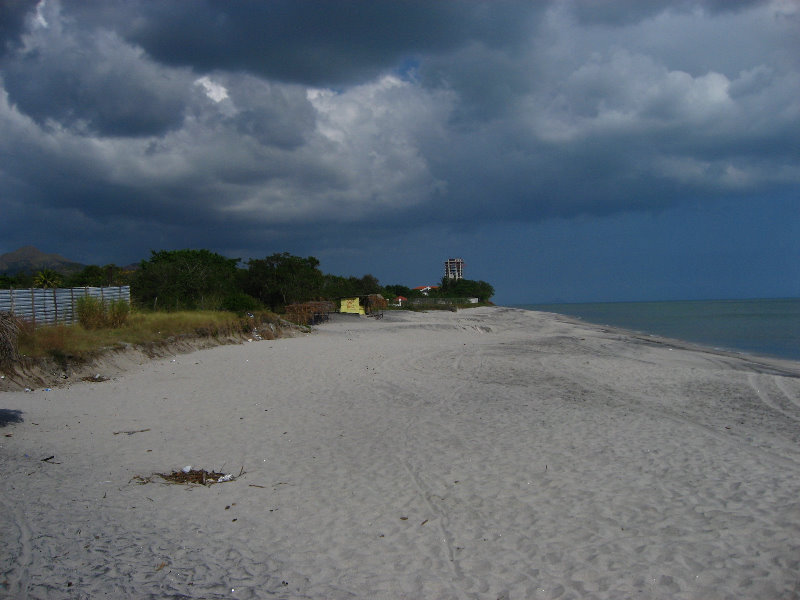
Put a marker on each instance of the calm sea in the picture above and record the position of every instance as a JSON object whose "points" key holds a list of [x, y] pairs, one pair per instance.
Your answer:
{"points": [[770, 327]]}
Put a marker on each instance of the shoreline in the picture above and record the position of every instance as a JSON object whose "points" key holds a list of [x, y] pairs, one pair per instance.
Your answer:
{"points": [[736, 330], [772, 363], [493, 452]]}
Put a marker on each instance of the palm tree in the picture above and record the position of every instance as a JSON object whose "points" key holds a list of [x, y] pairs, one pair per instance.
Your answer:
{"points": [[47, 278]]}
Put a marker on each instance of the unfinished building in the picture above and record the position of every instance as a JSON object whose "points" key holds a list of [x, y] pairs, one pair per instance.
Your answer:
{"points": [[454, 268]]}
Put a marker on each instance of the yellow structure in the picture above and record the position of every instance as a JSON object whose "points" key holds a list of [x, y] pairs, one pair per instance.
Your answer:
{"points": [[352, 306]]}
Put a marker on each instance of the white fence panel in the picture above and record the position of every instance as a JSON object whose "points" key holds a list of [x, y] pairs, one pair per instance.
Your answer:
{"points": [[55, 305]]}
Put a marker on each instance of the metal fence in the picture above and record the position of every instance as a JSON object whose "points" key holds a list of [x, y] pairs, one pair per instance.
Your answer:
{"points": [[49, 306]]}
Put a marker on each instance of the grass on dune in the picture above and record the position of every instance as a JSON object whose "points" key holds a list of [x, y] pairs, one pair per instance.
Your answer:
{"points": [[140, 328]]}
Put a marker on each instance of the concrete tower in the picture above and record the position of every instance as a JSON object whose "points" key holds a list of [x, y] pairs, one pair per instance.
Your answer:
{"points": [[454, 268]]}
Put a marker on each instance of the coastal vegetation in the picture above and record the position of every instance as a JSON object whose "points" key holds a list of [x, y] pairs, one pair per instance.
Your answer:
{"points": [[47, 278], [194, 292], [192, 279], [9, 338], [142, 329], [93, 313], [465, 288]]}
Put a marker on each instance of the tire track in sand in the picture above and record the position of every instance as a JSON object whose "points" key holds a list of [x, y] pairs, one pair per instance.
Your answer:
{"points": [[17, 579], [781, 384], [462, 366], [442, 521], [780, 400], [459, 365]]}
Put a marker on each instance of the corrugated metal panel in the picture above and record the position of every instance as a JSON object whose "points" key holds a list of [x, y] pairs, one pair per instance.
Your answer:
{"points": [[49, 306]]}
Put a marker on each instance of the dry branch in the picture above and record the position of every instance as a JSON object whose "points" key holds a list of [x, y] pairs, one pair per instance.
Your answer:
{"points": [[9, 337]]}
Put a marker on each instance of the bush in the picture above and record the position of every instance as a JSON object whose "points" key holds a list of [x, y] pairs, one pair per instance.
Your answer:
{"points": [[117, 313], [64, 342], [239, 302], [93, 313]]}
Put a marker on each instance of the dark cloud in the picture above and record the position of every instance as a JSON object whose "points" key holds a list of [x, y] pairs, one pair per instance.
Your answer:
{"points": [[272, 115], [328, 42], [626, 12], [325, 127], [13, 14], [92, 81], [617, 12]]}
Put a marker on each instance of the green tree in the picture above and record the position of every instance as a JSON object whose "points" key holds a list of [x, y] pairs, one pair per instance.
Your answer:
{"points": [[369, 284], [336, 286], [185, 279], [47, 278], [96, 276], [392, 291], [281, 279], [8, 281], [23, 280], [465, 288]]}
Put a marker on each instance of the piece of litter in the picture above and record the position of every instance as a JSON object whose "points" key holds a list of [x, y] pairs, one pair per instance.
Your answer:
{"points": [[95, 378], [131, 432]]}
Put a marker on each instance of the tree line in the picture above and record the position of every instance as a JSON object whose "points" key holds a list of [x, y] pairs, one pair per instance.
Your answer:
{"points": [[201, 279]]}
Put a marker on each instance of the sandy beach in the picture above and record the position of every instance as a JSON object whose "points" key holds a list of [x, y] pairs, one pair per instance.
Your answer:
{"points": [[489, 453]]}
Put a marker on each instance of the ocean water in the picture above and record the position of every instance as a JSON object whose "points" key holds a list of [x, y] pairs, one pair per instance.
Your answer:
{"points": [[769, 326]]}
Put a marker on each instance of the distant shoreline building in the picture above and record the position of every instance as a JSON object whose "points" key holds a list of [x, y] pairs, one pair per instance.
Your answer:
{"points": [[426, 289], [454, 268]]}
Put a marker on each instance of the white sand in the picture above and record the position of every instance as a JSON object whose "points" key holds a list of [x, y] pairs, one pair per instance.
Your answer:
{"points": [[489, 453]]}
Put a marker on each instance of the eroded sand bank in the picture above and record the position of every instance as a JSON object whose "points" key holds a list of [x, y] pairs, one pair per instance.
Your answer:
{"points": [[489, 453]]}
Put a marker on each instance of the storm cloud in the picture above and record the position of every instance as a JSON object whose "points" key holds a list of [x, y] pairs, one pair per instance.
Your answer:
{"points": [[321, 127]]}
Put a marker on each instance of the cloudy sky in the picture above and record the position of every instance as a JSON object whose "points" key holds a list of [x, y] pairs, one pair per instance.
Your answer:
{"points": [[572, 150]]}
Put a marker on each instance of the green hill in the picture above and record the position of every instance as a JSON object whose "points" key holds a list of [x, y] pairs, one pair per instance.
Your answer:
{"points": [[30, 259]]}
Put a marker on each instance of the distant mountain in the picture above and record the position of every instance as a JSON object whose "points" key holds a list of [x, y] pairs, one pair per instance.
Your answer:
{"points": [[29, 259]]}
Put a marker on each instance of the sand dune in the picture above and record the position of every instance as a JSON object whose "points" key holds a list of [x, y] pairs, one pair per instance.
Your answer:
{"points": [[489, 453]]}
